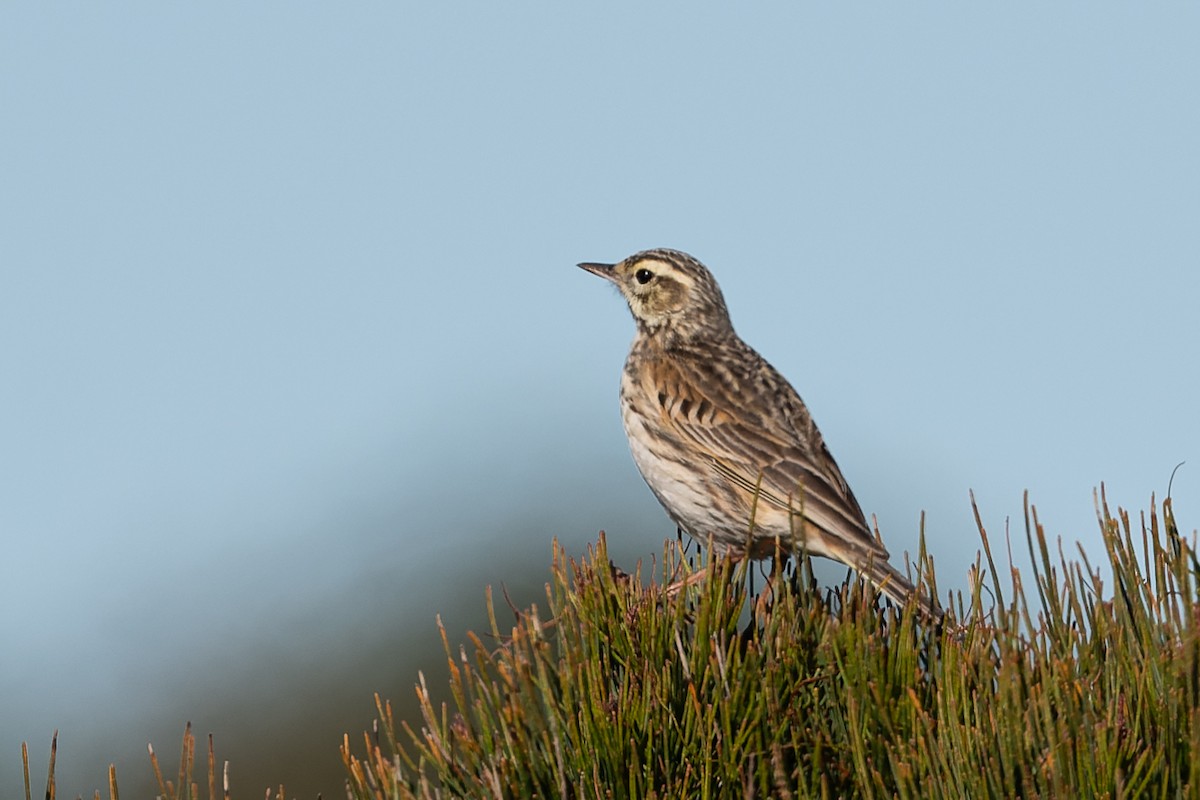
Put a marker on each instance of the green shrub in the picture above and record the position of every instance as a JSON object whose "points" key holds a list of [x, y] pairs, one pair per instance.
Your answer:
{"points": [[627, 690]]}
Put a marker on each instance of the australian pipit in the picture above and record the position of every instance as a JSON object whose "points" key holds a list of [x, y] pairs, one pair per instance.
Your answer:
{"points": [[723, 440]]}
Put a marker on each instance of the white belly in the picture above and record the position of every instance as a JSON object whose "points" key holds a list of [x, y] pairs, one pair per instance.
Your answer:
{"points": [[681, 488]]}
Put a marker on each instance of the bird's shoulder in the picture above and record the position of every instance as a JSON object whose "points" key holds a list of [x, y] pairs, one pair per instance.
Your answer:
{"points": [[741, 413], [730, 380]]}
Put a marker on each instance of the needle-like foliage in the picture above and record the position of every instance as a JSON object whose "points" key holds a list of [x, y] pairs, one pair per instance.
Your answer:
{"points": [[621, 689], [1073, 685]]}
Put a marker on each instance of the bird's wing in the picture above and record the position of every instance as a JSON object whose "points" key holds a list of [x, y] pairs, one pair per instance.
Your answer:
{"points": [[758, 435]]}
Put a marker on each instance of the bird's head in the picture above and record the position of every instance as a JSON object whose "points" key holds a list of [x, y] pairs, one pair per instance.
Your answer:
{"points": [[669, 293]]}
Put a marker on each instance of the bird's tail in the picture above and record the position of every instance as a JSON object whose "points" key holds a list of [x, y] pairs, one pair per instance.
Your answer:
{"points": [[889, 580]]}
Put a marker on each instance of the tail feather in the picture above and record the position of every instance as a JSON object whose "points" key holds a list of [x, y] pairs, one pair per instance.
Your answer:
{"points": [[891, 582]]}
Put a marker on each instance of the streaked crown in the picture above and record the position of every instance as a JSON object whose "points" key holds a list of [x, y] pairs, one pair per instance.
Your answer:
{"points": [[669, 293]]}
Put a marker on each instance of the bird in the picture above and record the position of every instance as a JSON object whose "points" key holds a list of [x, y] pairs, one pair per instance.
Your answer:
{"points": [[722, 439]]}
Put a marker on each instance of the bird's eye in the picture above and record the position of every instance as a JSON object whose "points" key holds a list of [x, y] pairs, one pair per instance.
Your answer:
{"points": [[643, 276]]}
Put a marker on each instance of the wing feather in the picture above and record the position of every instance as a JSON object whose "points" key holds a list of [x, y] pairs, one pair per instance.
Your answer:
{"points": [[760, 438]]}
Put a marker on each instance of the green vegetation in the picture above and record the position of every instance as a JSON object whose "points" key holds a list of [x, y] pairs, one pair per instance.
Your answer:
{"points": [[636, 693], [184, 787], [1067, 687]]}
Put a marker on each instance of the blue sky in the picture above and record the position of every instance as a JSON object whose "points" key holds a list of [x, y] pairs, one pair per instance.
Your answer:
{"points": [[296, 357]]}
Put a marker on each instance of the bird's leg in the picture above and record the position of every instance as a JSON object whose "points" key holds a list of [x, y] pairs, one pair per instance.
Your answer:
{"points": [[686, 543], [766, 598]]}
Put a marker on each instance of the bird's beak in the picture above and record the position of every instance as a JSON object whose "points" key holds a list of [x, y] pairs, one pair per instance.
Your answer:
{"points": [[603, 270]]}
